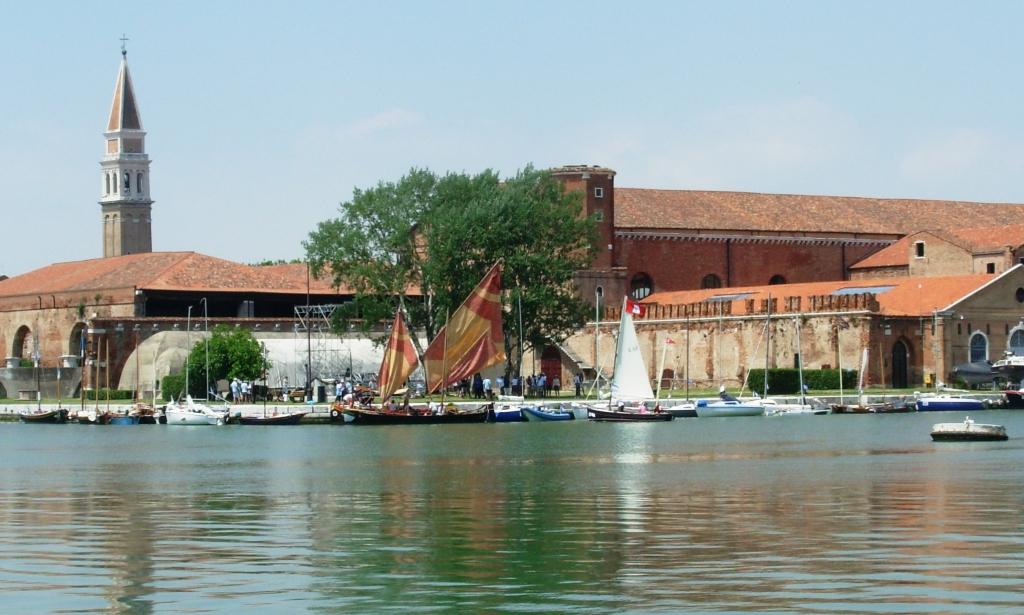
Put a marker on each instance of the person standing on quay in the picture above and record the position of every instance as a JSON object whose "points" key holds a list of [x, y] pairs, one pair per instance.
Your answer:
{"points": [[577, 381]]}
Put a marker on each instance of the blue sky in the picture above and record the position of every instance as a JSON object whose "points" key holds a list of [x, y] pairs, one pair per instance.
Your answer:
{"points": [[262, 117]]}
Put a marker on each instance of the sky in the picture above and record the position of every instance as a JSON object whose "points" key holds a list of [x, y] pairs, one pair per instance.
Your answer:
{"points": [[262, 117]]}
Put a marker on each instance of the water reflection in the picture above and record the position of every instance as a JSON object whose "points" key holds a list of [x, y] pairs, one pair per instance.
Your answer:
{"points": [[698, 517]]}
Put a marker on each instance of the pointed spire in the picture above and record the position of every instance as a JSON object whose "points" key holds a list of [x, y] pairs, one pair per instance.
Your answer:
{"points": [[124, 115]]}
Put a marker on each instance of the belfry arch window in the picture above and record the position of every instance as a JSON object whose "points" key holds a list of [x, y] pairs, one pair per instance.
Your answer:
{"points": [[711, 281], [127, 182], [640, 286], [979, 347], [138, 183], [113, 181], [106, 189]]}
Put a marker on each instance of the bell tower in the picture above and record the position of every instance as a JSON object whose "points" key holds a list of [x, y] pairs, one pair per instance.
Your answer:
{"points": [[124, 181]]}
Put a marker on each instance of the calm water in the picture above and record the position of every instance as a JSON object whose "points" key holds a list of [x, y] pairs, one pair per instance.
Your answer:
{"points": [[798, 514]]}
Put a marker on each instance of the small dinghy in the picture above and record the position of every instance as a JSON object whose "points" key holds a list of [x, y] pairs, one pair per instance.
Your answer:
{"points": [[540, 413], [967, 431]]}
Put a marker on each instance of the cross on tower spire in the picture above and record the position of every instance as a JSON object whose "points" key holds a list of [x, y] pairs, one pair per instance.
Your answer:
{"points": [[124, 39]]}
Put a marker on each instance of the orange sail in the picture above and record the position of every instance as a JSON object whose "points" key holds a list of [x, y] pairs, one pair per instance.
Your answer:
{"points": [[399, 359], [472, 339]]}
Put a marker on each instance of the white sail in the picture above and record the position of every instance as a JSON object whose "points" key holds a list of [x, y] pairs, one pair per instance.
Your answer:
{"points": [[630, 381]]}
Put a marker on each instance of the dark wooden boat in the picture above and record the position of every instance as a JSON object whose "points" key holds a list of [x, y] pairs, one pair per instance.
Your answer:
{"points": [[59, 415], [414, 416], [277, 419], [615, 416], [883, 408], [1014, 399]]}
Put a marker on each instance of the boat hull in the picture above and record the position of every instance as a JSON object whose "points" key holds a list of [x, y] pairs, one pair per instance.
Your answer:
{"points": [[1014, 399], [942, 405], [124, 420], [614, 416], [374, 417], [281, 419], [968, 431], [727, 409], [50, 416], [185, 417], [506, 415], [539, 414]]}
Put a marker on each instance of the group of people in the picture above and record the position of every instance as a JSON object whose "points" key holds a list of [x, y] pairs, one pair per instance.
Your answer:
{"points": [[241, 391], [534, 385]]}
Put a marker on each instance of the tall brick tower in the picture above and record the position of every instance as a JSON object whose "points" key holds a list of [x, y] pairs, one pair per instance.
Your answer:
{"points": [[604, 277], [124, 200]]}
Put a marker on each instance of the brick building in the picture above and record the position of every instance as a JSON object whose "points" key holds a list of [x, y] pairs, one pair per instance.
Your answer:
{"points": [[915, 329]]}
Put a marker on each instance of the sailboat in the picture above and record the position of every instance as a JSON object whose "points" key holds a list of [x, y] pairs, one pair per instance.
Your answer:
{"points": [[190, 412], [471, 340], [630, 384], [801, 408]]}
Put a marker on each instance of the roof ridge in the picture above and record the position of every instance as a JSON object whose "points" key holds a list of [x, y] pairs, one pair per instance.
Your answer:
{"points": [[819, 196]]}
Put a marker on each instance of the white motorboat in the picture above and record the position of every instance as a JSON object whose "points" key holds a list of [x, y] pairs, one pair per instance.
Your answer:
{"points": [[1010, 367], [728, 406], [967, 431], [191, 413]]}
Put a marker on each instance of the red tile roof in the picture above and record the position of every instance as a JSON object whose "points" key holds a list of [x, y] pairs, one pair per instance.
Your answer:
{"points": [[975, 240], [178, 271], [919, 296], [748, 211]]}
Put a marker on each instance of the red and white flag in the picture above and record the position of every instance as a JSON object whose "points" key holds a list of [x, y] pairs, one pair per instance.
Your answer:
{"points": [[669, 340], [635, 308]]}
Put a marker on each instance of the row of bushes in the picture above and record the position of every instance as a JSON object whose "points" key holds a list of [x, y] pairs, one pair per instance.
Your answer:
{"points": [[787, 380], [101, 394]]}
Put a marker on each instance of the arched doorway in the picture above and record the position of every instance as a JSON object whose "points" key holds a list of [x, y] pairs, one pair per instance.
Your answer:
{"points": [[22, 347], [900, 356], [75, 346]]}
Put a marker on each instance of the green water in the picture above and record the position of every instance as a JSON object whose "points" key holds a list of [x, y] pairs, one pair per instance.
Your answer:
{"points": [[791, 514]]}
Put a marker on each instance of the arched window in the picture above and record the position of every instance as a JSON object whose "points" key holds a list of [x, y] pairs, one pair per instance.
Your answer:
{"points": [[979, 347], [127, 182], [711, 281], [113, 182], [640, 286], [138, 183], [1017, 341], [106, 178], [75, 345], [777, 279]]}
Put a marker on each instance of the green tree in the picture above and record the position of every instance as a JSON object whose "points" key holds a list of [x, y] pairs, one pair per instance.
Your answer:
{"points": [[440, 235], [233, 353]]}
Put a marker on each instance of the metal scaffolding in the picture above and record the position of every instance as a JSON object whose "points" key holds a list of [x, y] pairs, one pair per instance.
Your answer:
{"points": [[327, 357]]}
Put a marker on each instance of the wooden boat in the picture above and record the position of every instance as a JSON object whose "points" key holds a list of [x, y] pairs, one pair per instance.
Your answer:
{"points": [[625, 416], [540, 413], [60, 415], [968, 431], [879, 408], [415, 416], [292, 418]]}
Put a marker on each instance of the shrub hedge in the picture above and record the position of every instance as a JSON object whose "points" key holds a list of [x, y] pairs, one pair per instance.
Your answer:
{"points": [[787, 380], [101, 394]]}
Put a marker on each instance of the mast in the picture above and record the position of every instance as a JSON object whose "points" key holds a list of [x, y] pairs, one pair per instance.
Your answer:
{"points": [[188, 345], [767, 343], [519, 301], [800, 361], [444, 359], [686, 375]]}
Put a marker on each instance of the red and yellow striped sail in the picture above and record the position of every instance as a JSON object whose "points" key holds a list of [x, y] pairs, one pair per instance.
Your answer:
{"points": [[399, 359], [473, 337]]}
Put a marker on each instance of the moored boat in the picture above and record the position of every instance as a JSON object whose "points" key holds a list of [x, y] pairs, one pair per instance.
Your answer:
{"points": [[626, 416], [540, 413], [292, 418], [948, 402], [124, 419], [59, 415], [968, 431], [191, 413], [504, 412], [416, 416]]}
